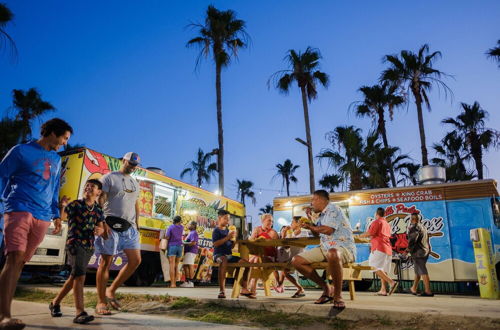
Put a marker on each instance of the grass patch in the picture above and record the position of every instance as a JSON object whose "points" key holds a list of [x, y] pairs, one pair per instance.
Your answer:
{"points": [[183, 303]]}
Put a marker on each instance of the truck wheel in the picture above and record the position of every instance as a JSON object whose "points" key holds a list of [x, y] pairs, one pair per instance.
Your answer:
{"points": [[363, 285], [145, 274]]}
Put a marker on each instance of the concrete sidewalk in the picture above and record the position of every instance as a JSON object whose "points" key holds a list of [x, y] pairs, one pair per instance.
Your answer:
{"points": [[37, 316], [366, 305]]}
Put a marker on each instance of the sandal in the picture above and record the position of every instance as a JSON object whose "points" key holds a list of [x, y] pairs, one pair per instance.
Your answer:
{"points": [[299, 294], [83, 318], [339, 304], [381, 294], [393, 288], [114, 303], [55, 310], [12, 324], [323, 300], [102, 310], [249, 295], [222, 295], [425, 294]]}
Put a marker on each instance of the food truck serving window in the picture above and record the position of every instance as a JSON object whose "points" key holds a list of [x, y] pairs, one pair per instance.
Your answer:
{"points": [[163, 202]]}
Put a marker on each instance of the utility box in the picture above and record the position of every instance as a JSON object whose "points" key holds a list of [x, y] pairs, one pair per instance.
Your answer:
{"points": [[485, 265]]}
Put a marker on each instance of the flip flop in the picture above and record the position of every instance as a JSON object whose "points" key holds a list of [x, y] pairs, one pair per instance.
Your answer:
{"points": [[55, 310], [221, 295], [12, 324], [393, 288], [339, 304], [83, 318], [381, 294], [114, 303], [323, 300], [424, 294], [249, 295], [102, 310], [298, 295]]}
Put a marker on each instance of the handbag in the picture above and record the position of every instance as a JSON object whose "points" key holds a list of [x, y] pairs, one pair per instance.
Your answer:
{"points": [[163, 244], [117, 224]]}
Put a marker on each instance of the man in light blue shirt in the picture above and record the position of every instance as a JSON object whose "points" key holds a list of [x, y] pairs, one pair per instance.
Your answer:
{"points": [[29, 184], [336, 247]]}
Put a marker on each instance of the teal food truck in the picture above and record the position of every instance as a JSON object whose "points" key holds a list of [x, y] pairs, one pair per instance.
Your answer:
{"points": [[448, 211]]}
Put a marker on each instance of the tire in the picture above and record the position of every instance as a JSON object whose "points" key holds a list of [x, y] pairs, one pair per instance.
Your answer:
{"points": [[363, 285], [146, 273]]}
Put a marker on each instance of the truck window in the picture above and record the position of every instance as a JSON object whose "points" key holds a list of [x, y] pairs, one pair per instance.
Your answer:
{"points": [[495, 203], [163, 202]]}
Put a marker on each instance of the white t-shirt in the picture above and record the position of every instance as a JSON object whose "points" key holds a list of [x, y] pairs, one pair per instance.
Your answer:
{"points": [[123, 191]]}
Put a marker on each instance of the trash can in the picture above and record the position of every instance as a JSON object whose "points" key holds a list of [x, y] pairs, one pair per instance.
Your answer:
{"points": [[485, 265]]}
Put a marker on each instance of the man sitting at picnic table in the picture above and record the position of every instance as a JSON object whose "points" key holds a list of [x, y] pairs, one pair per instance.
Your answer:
{"points": [[336, 247]]}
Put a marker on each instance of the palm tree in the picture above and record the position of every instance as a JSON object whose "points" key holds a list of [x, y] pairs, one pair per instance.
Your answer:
{"points": [[221, 36], [414, 73], [286, 172], [494, 53], [470, 126], [29, 105], [304, 69], [6, 16], [268, 209], [9, 134], [452, 154], [201, 167], [244, 191], [348, 160], [408, 172], [378, 99], [330, 181]]}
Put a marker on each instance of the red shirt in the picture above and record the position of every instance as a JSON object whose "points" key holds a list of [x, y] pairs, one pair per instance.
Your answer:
{"points": [[380, 231]]}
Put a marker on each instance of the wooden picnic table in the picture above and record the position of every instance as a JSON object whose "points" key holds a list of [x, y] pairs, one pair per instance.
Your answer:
{"points": [[264, 270]]}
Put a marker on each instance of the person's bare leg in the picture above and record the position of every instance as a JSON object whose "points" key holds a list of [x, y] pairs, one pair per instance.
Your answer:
{"points": [[427, 284], [133, 261], [222, 275], [173, 277], [383, 287], [8, 280], [185, 269], [414, 287], [68, 285], [78, 294], [292, 279], [303, 266], [102, 277], [191, 272], [177, 274], [384, 279], [335, 269]]}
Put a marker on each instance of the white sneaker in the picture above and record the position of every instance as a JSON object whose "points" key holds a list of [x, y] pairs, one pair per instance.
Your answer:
{"points": [[187, 285]]}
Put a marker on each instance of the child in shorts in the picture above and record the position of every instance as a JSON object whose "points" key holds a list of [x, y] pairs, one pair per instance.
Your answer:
{"points": [[85, 220]]}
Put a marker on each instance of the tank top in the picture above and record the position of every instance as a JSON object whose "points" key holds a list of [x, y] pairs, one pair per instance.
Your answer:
{"points": [[269, 251]]}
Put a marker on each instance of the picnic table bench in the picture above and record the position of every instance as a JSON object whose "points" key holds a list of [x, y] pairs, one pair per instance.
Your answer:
{"points": [[264, 270]]}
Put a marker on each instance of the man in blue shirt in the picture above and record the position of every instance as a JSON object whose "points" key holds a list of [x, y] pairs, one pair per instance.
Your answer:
{"points": [[29, 175]]}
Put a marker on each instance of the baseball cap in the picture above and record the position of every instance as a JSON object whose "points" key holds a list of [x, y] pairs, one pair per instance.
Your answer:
{"points": [[132, 157]]}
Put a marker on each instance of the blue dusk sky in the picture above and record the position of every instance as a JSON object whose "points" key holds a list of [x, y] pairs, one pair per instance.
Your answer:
{"points": [[120, 73]]}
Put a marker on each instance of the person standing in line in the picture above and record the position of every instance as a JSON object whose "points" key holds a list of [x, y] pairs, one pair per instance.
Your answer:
{"points": [[381, 251], [119, 198], [419, 248], [174, 248], [85, 220], [29, 182], [190, 253]]}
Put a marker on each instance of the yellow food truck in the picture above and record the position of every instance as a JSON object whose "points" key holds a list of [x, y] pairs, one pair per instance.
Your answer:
{"points": [[161, 198]]}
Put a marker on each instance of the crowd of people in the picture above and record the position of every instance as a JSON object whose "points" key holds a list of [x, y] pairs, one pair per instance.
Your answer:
{"points": [[105, 220]]}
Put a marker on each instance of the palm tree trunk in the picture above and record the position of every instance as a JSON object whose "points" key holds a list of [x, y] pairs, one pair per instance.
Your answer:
{"points": [[220, 136], [420, 116], [309, 141], [287, 183], [383, 132], [477, 154]]}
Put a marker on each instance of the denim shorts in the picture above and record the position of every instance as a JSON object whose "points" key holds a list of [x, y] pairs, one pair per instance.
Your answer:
{"points": [[175, 251], [117, 242]]}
